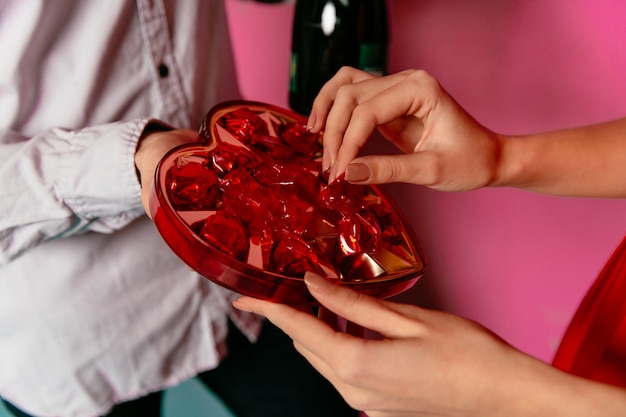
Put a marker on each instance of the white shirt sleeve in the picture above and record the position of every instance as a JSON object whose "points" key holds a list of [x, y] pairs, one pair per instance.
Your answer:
{"points": [[63, 182], [93, 303]]}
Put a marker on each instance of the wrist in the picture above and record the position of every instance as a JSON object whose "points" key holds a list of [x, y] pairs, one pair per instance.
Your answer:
{"points": [[150, 128], [539, 389], [151, 149], [512, 169]]}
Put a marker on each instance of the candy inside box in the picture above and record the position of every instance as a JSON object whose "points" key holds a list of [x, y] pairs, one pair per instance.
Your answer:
{"points": [[249, 208]]}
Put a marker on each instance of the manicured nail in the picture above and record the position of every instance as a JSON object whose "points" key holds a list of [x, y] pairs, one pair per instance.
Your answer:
{"points": [[312, 281], [310, 124], [357, 172], [326, 170], [241, 306]]}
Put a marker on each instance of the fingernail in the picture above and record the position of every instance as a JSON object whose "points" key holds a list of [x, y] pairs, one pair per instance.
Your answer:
{"points": [[357, 172], [326, 170], [332, 174], [241, 306], [310, 124], [312, 281]]}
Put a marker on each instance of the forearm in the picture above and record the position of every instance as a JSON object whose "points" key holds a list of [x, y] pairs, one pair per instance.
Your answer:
{"points": [[597, 399], [64, 182], [547, 391], [588, 161], [151, 148]]}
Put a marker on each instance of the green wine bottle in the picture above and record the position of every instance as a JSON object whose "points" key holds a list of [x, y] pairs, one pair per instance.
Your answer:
{"points": [[329, 34]]}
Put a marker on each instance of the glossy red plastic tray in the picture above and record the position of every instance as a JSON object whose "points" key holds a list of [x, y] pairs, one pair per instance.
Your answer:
{"points": [[249, 208]]}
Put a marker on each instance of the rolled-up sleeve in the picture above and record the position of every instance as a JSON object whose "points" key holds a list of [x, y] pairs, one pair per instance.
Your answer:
{"points": [[63, 182]]}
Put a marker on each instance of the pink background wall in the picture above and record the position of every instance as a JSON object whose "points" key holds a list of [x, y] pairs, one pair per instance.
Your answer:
{"points": [[517, 262]]}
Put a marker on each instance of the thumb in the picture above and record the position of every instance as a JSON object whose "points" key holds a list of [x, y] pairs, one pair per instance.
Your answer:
{"points": [[383, 169]]}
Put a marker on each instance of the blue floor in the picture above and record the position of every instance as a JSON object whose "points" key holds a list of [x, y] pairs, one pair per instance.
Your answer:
{"points": [[189, 399]]}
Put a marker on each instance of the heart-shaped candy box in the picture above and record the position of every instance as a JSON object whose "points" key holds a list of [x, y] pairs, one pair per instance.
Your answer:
{"points": [[249, 208]]}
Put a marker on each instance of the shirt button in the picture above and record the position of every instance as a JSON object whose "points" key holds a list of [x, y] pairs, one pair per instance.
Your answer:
{"points": [[164, 71]]}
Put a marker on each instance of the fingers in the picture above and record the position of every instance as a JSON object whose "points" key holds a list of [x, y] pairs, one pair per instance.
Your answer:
{"points": [[388, 319], [313, 338], [333, 106], [400, 101], [301, 326], [318, 342], [326, 101], [326, 96], [416, 168]]}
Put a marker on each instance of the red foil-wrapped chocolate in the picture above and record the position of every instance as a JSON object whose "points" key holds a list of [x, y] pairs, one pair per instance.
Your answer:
{"points": [[250, 209]]}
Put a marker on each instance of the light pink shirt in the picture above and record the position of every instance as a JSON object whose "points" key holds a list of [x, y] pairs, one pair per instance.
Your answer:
{"points": [[94, 308]]}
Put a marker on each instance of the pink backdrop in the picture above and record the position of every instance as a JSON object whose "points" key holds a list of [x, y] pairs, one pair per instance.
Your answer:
{"points": [[517, 262]]}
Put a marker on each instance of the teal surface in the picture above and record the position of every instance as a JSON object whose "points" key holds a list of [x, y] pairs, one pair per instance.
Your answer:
{"points": [[193, 399], [189, 399], [3, 411]]}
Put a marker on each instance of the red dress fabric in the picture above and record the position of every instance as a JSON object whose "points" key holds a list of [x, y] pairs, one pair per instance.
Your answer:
{"points": [[594, 345]]}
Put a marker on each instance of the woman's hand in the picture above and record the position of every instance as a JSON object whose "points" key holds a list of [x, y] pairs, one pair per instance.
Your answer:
{"points": [[428, 363], [151, 149], [444, 147]]}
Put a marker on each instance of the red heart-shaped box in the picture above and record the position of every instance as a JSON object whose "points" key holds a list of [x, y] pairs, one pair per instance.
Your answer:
{"points": [[250, 209]]}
